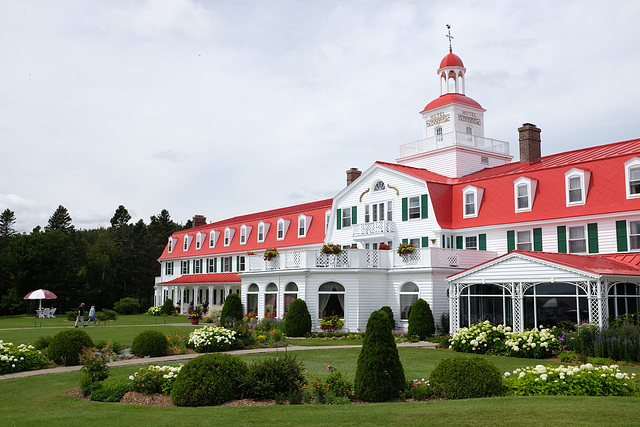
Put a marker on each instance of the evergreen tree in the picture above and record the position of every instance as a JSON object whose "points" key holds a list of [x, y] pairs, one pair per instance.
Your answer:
{"points": [[120, 218], [7, 220], [231, 311], [421, 323], [297, 322], [379, 372], [60, 220]]}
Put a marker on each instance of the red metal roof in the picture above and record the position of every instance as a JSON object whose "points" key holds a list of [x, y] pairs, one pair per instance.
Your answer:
{"points": [[451, 98], [315, 233], [204, 279], [451, 60]]}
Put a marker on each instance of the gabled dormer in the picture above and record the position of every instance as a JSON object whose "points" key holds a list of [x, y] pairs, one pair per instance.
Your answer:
{"points": [[282, 228], [214, 235], [245, 232], [524, 190], [576, 182], [186, 242], [471, 199], [304, 221]]}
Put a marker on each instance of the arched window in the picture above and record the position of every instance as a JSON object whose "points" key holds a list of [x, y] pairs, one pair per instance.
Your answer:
{"points": [[408, 295], [331, 300], [290, 295], [547, 304], [271, 300], [252, 298], [485, 302], [378, 186]]}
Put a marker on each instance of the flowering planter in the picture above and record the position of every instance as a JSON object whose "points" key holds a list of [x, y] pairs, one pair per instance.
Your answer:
{"points": [[195, 321]]}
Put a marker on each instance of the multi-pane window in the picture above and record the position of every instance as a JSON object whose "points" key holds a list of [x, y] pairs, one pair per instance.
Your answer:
{"points": [[414, 207], [197, 266], [302, 230], [389, 210], [469, 203], [184, 267], [241, 263], [524, 240], [169, 268], [471, 243], [186, 242], [367, 213], [346, 217], [523, 196], [378, 211], [226, 264], [212, 239], [261, 232], [227, 237], [439, 137], [634, 234], [280, 230], [577, 240], [170, 247], [243, 235], [575, 189], [634, 180], [211, 265], [198, 241], [415, 242]]}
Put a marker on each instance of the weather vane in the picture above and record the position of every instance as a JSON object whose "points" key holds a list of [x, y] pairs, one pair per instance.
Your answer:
{"points": [[449, 36]]}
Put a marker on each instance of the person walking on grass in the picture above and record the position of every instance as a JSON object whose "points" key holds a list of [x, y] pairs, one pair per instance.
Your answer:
{"points": [[80, 316], [92, 315]]}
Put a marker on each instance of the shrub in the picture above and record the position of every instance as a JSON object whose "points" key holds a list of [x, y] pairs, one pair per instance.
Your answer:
{"points": [[19, 358], [297, 322], [232, 310], [617, 342], [112, 389], [42, 343], [480, 338], [167, 308], [211, 338], [392, 320], [532, 344], [106, 315], [208, 380], [127, 305], [154, 379], [585, 380], [94, 365], [419, 389], [463, 377], [421, 323], [379, 372], [445, 324], [150, 343], [155, 311], [71, 315], [66, 346], [268, 378]]}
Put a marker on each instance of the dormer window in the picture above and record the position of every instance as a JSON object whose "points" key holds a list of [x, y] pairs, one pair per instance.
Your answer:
{"points": [[632, 177], [576, 184], [283, 226], [378, 186], [213, 238], [198, 240], [171, 244], [245, 231], [261, 232], [471, 199], [228, 235], [303, 225], [186, 242], [327, 218], [524, 191]]}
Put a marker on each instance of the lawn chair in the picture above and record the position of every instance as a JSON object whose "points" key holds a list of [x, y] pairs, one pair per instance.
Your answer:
{"points": [[45, 313], [53, 310]]}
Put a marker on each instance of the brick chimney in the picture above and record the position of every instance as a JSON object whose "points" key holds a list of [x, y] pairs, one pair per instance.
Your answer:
{"points": [[199, 220], [352, 175], [529, 143]]}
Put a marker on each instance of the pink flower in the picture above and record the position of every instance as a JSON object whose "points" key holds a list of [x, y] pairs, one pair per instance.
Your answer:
{"points": [[328, 367]]}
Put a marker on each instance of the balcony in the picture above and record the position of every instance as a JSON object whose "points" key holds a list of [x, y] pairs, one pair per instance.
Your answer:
{"points": [[454, 139], [367, 258], [377, 230]]}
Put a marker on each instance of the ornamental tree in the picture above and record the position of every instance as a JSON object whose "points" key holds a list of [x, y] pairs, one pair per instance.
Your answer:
{"points": [[421, 323], [231, 311], [297, 322]]}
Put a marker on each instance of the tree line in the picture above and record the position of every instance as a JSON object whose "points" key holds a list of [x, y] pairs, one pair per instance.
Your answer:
{"points": [[97, 266]]}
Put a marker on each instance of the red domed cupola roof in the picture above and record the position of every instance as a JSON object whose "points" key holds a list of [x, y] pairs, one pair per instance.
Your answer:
{"points": [[451, 60]]}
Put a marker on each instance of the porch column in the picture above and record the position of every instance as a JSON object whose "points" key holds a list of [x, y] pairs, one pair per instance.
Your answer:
{"points": [[593, 291], [603, 304], [517, 302], [454, 316], [196, 292]]}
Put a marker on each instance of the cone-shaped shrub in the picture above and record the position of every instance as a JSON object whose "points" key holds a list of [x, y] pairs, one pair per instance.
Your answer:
{"points": [[231, 311], [379, 373], [421, 323], [65, 347], [464, 377], [297, 322], [389, 312]]}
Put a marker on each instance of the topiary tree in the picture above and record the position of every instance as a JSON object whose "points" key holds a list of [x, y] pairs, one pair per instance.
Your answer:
{"points": [[421, 323], [150, 343], [464, 377], [167, 307], [389, 312], [208, 380], [297, 322], [231, 311], [379, 373], [66, 346]]}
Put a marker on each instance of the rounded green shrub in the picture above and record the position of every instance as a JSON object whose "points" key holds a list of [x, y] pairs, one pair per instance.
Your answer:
{"points": [[268, 378], [389, 312], [231, 311], [464, 377], [297, 322], [106, 315], [421, 323], [379, 372], [167, 308], [210, 379], [127, 305], [66, 346], [150, 343]]}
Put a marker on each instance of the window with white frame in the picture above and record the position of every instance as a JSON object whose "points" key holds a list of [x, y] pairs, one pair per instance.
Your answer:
{"points": [[632, 177], [409, 293], [439, 137], [197, 266], [378, 186], [198, 240], [576, 184], [261, 232], [213, 238], [226, 264], [577, 240], [523, 240], [524, 191], [252, 298], [346, 217], [367, 213], [243, 235], [471, 243], [228, 235], [169, 268], [469, 203], [327, 219], [271, 300], [184, 267], [170, 245], [522, 197], [280, 231], [414, 207], [303, 225], [634, 235], [186, 242], [211, 265], [241, 263], [390, 210], [290, 295]]}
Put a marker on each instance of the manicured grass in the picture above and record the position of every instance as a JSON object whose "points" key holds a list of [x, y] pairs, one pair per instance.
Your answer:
{"points": [[28, 321], [314, 342], [41, 400]]}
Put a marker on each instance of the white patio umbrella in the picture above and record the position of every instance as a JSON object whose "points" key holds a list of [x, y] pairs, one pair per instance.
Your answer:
{"points": [[40, 294]]}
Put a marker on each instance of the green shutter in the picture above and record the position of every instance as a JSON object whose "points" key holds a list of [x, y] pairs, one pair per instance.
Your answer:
{"points": [[511, 240], [425, 242], [215, 265], [405, 209], [424, 206], [459, 244], [354, 215], [405, 240], [562, 239], [238, 263], [339, 219], [621, 235], [482, 242], [537, 239], [592, 236]]}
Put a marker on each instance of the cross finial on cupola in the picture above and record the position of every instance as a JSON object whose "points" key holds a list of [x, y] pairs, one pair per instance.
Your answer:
{"points": [[450, 37]]}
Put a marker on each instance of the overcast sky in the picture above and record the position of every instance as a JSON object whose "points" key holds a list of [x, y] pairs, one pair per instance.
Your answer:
{"points": [[223, 108]]}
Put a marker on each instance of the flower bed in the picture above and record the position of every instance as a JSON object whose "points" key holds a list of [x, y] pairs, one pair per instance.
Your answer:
{"points": [[211, 338], [19, 358], [154, 379], [583, 380], [155, 311]]}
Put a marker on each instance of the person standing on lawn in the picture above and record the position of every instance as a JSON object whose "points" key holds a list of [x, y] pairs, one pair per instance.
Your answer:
{"points": [[92, 315], [80, 316]]}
